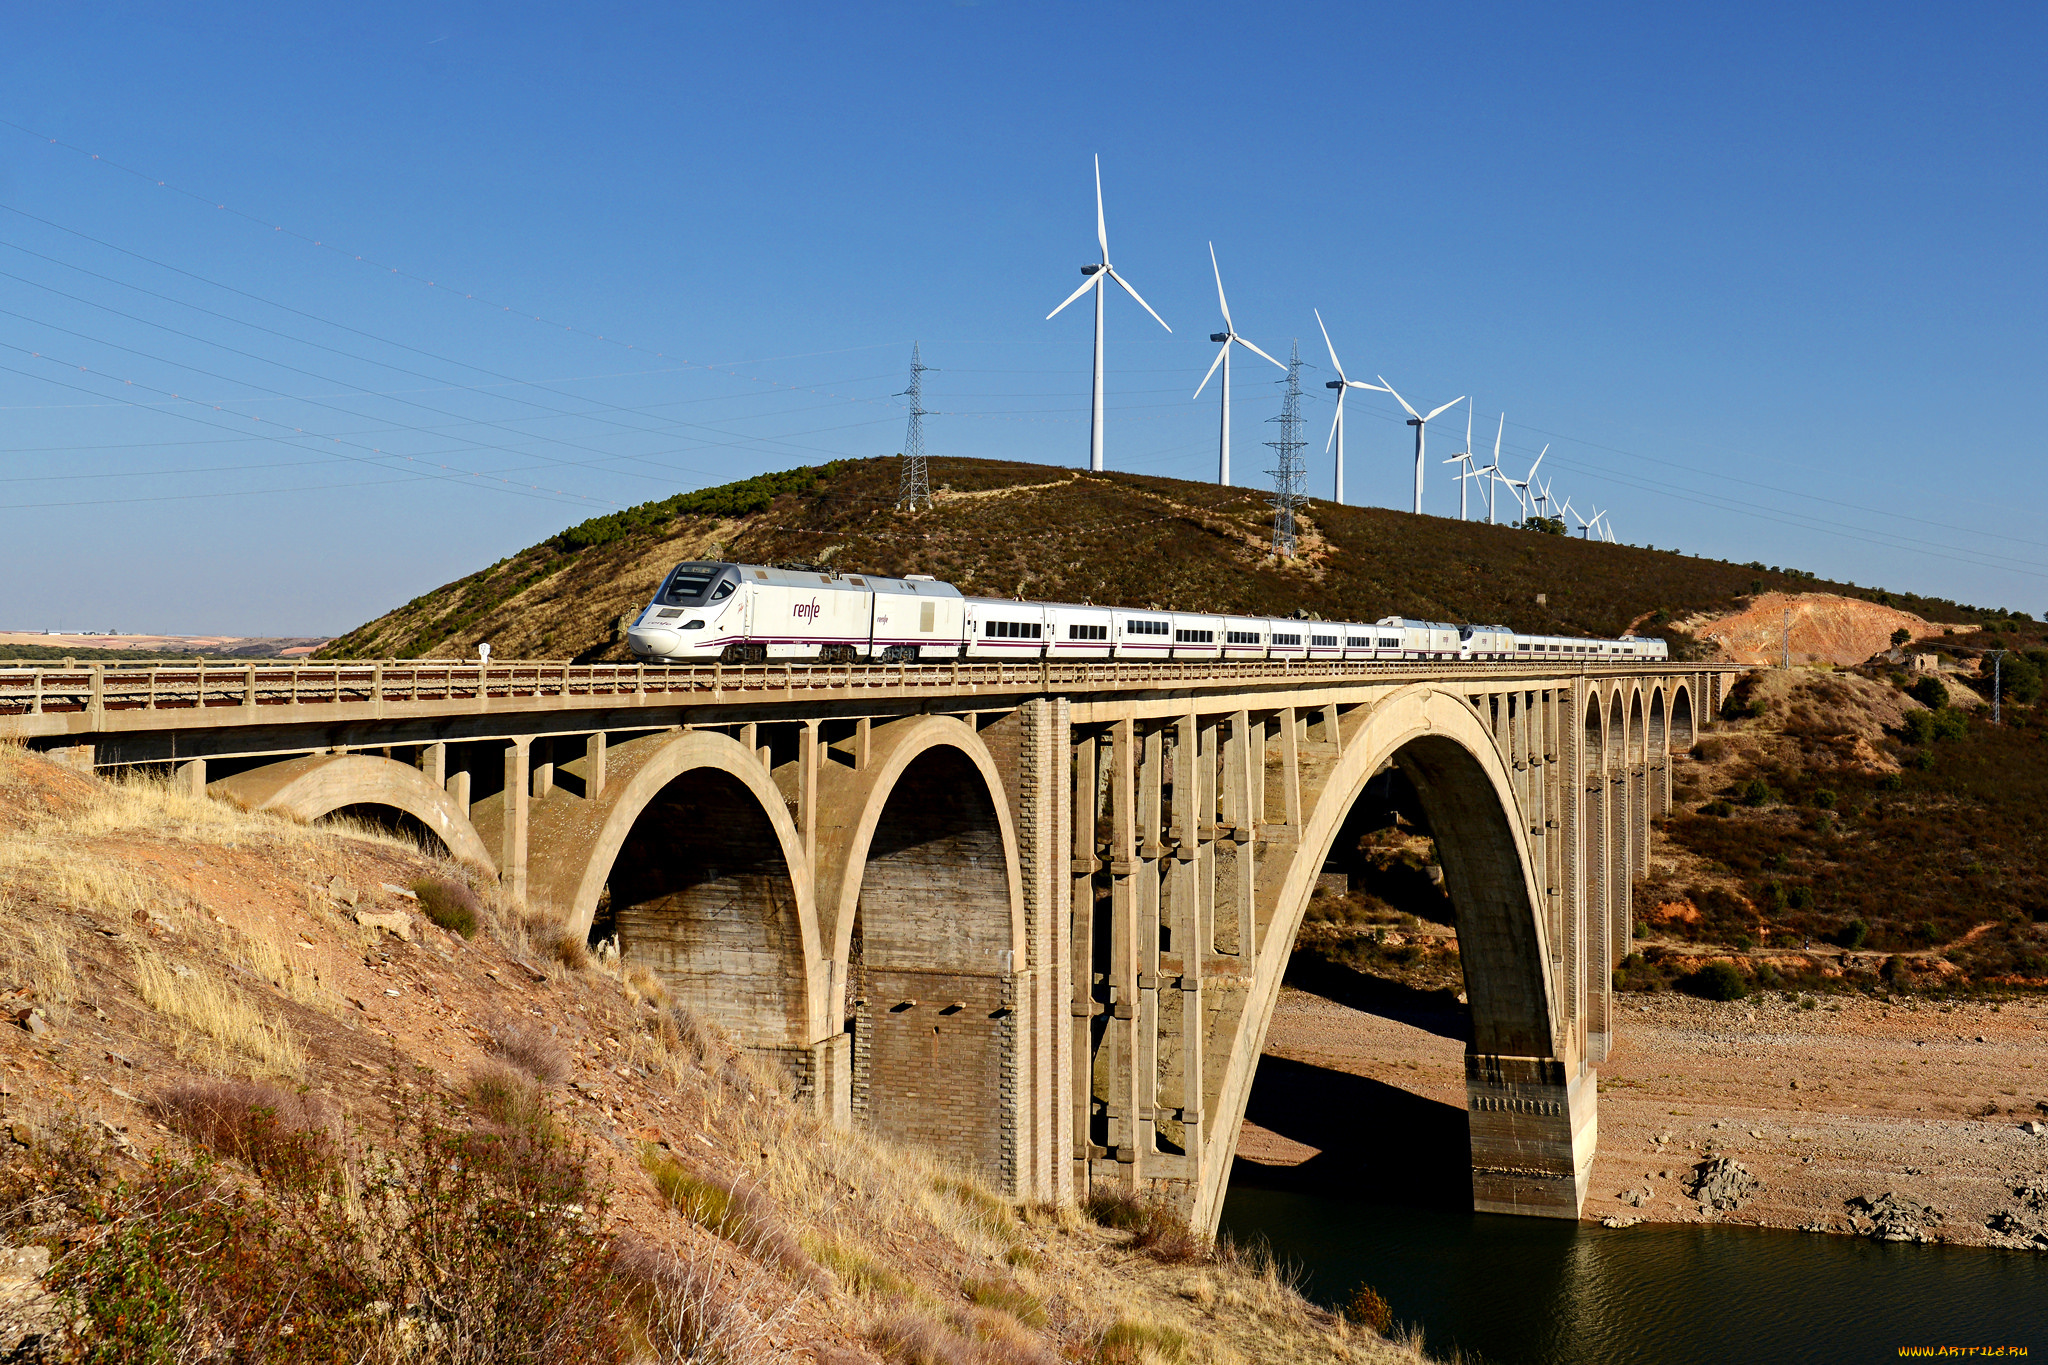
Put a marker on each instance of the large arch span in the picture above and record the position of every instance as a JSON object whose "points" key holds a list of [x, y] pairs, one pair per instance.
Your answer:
{"points": [[1531, 1102]]}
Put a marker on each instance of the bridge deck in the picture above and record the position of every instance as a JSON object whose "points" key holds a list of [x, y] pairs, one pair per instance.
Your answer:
{"points": [[102, 698]]}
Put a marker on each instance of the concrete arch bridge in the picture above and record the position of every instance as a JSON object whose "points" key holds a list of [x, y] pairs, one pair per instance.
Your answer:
{"points": [[1032, 917]]}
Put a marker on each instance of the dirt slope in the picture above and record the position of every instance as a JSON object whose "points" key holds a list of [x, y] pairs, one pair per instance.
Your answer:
{"points": [[1825, 628], [1003, 529], [153, 945]]}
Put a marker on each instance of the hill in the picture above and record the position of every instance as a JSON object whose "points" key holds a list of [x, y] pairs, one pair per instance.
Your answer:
{"points": [[288, 1094], [1004, 530]]}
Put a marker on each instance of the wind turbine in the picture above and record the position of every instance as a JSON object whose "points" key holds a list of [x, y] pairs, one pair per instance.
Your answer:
{"points": [[1463, 459], [1585, 523], [1526, 489], [1419, 422], [1227, 336], [1340, 384], [1491, 473], [1096, 275]]}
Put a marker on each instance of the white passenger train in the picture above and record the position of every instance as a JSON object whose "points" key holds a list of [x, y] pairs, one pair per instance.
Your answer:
{"points": [[743, 613]]}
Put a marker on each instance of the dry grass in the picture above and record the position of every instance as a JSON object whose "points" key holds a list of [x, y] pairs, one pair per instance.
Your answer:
{"points": [[286, 966], [232, 1033], [532, 1051]]}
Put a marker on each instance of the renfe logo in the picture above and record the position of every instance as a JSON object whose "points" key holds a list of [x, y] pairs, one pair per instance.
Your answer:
{"points": [[805, 611]]}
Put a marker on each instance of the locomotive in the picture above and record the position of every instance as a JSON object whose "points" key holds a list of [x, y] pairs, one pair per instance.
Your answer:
{"points": [[749, 613]]}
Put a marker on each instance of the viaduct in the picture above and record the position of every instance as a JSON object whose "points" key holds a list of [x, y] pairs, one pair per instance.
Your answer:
{"points": [[1030, 916]]}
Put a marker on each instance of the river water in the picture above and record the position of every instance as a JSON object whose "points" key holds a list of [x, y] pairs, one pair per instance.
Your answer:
{"points": [[1530, 1291]]}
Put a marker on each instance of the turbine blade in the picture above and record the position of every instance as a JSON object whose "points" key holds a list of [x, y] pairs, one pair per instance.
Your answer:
{"points": [[1221, 352], [1101, 227], [1497, 435], [1361, 384], [1221, 302], [1254, 350], [1134, 294], [1446, 407], [1331, 439], [1397, 396], [1335, 363], [1468, 426], [1539, 460], [1087, 285]]}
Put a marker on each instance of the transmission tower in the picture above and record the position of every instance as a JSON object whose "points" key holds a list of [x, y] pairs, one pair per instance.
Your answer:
{"points": [[915, 489], [1287, 479]]}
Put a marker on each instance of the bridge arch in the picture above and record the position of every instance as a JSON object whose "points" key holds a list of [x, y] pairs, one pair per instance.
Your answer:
{"points": [[1659, 743], [922, 891], [709, 882], [1531, 1123], [1682, 736], [318, 785]]}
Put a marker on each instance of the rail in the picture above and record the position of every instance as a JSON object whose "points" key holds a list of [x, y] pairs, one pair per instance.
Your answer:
{"points": [[101, 689]]}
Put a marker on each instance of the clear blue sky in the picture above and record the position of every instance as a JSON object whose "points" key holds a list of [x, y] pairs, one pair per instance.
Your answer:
{"points": [[1769, 278]]}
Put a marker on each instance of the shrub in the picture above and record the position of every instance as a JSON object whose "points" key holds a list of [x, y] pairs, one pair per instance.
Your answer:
{"points": [[1951, 723], [1930, 692], [532, 1051], [1918, 727], [1709, 750], [1717, 808], [1823, 824], [1800, 898], [281, 1135], [1156, 1227], [1743, 943], [449, 904], [1715, 981], [1825, 798], [1369, 1308], [1853, 934], [1756, 792]]}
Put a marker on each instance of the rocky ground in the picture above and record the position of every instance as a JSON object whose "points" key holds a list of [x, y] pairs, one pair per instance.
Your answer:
{"points": [[1912, 1121]]}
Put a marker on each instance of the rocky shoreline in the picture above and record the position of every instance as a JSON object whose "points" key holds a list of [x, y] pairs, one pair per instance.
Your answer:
{"points": [[1906, 1121]]}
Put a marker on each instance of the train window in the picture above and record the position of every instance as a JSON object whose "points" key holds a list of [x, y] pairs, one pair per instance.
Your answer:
{"points": [[1286, 639], [1323, 641], [1194, 637], [1087, 632], [1390, 644], [1147, 628], [926, 614], [723, 591], [1357, 642], [1012, 630]]}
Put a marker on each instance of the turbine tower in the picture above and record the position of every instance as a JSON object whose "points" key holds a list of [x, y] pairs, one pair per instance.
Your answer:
{"points": [[1228, 336], [1341, 383], [1467, 471], [1096, 275], [914, 489], [1419, 422]]}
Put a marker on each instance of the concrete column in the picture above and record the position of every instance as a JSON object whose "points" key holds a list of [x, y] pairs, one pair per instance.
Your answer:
{"points": [[191, 777], [1290, 766], [807, 789], [1575, 843], [594, 765], [1042, 847], [542, 767], [77, 757], [1084, 1007], [1148, 912], [1123, 951], [434, 763], [457, 782], [512, 844], [863, 744]]}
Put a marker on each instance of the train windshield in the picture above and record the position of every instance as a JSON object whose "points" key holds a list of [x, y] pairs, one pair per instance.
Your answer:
{"points": [[691, 585]]}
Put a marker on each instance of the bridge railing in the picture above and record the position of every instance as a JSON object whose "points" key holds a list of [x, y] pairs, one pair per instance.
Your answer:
{"points": [[102, 687]]}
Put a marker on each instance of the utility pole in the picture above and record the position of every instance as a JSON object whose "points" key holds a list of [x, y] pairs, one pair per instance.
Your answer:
{"points": [[1997, 681], [1287, 478], [914, 490]]}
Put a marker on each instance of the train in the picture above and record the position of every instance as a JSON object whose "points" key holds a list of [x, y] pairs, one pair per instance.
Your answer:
{"points": [[715, 612]]}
